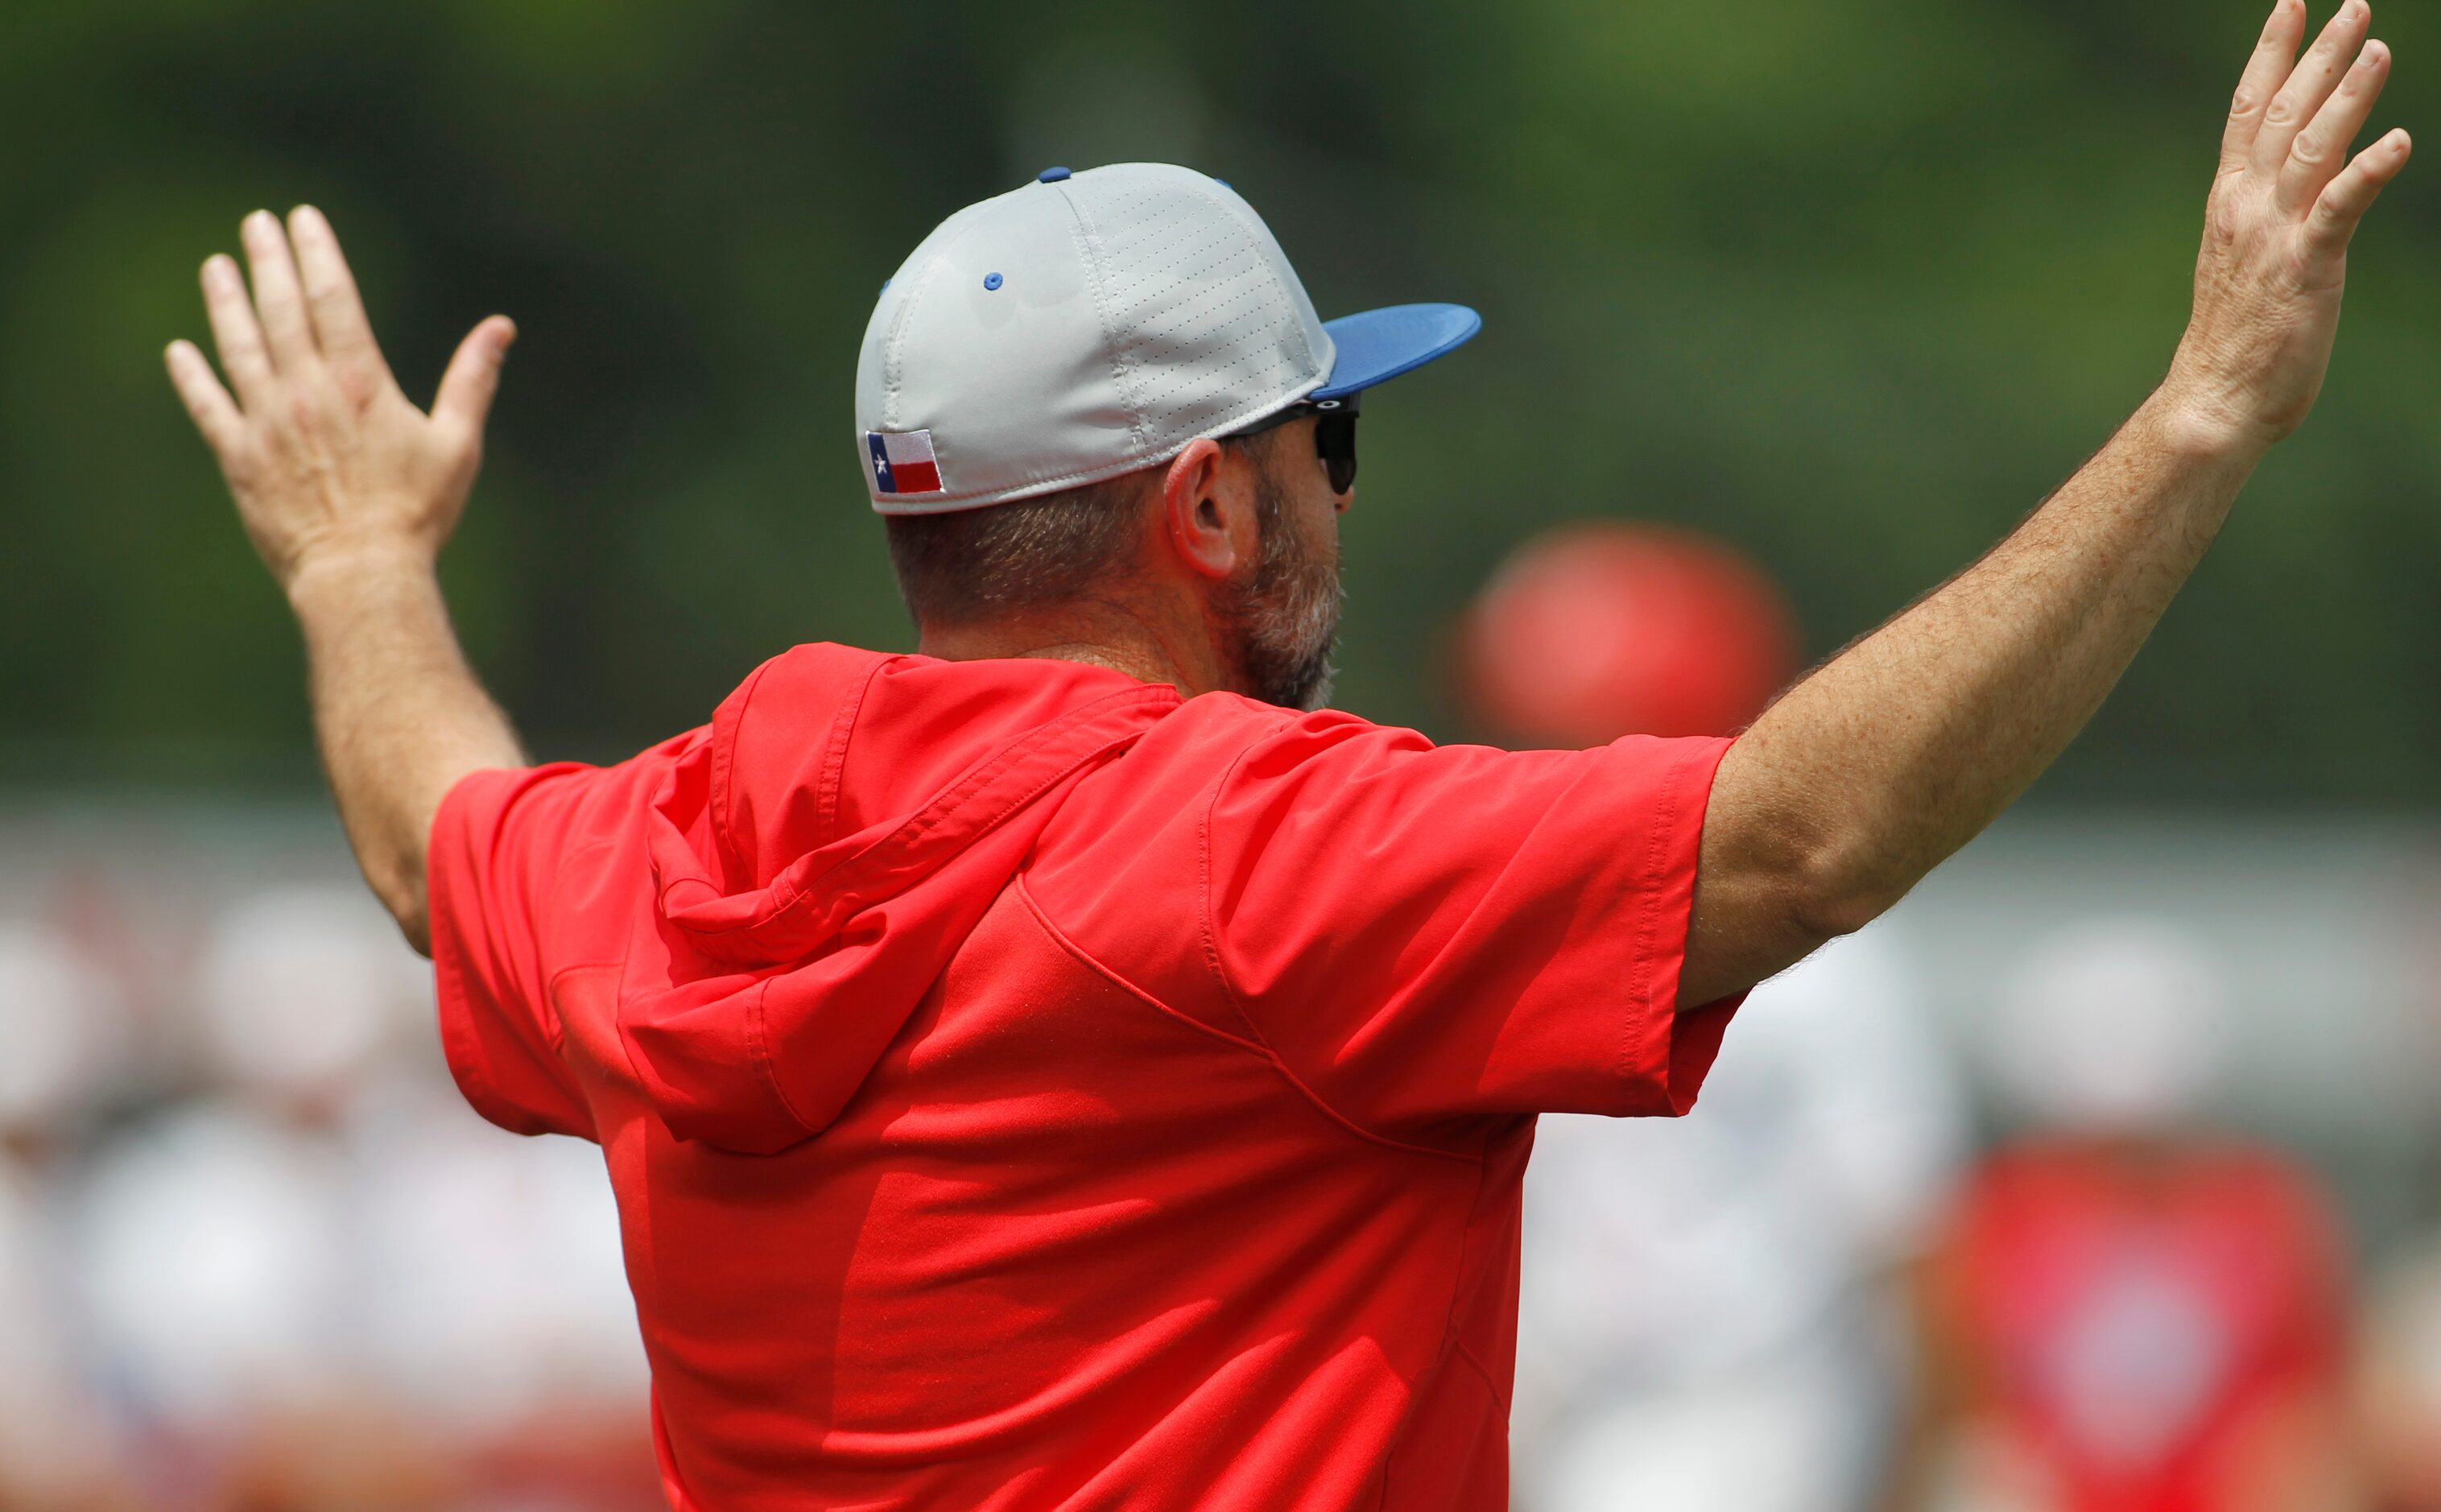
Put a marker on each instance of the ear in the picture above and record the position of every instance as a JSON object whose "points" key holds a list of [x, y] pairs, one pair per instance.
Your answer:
{"points": [[1208, 505]]}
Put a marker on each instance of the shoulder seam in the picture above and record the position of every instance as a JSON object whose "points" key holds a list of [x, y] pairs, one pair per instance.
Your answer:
{"points": [[826, 800], [1211, 943], [1253, 1047], [1209, 935], [724, 756], [551, 977]]}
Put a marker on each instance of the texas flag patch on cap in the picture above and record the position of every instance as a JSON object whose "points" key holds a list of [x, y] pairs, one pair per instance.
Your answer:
{"points": [[902, 461]]}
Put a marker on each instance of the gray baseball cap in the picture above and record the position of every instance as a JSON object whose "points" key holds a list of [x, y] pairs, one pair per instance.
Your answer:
{"points": [[1089, 324]]}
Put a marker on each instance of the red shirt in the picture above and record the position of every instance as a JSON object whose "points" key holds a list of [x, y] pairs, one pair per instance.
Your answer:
{"points": [[1026, 1090], [2146, 1335]]}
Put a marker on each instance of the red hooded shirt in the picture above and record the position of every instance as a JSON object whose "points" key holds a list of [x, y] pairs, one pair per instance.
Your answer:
{"points": [[1026, 1089]]}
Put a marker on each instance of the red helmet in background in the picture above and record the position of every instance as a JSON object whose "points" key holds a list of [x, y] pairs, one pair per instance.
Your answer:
{"points": [[1591, 632]]}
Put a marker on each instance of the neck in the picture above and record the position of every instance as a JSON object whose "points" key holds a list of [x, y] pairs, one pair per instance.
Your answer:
{"points": [[1124, 638]]}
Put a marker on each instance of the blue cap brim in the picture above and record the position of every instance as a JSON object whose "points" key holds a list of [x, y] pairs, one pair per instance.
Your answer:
{"points": [[1381, 344]]}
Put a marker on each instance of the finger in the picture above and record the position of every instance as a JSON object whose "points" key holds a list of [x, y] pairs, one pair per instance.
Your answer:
{"points": [[2342, 206], [2322, 148], [474, 375], [235, 332], [332, 300], [2318, 73], [278, 301], [208, 404], [2276, 55]]}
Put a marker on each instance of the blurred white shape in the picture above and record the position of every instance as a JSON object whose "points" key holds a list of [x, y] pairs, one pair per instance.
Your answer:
{"points": [[1729, 1261], [215, 1266], [2117, 1024], [60, 1019], [497, 1286], [302, 988], [2139, 1366], [1758, 1440]]}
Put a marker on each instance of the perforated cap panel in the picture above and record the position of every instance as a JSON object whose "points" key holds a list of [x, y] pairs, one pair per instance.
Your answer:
{"points": [[1073, 329], [1210, 325]]}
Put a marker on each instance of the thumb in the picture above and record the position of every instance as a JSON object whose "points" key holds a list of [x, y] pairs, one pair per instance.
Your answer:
{"points": [[474, 375]]}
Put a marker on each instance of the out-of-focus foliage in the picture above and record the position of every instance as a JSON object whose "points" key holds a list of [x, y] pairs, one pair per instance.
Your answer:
{"points": [[1850, 284]]}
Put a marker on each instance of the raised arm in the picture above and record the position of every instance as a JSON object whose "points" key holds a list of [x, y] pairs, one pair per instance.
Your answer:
{"points": [[347, 492], [1873, 771]]}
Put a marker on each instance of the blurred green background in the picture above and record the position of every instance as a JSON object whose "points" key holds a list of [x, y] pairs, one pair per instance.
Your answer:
{"points": [[1851, 285]]}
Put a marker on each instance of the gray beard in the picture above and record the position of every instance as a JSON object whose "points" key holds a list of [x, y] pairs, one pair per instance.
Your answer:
{"points": [[1281, 620]]}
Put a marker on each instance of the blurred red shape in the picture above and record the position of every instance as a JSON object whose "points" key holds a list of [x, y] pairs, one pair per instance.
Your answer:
{"points": [[1595, 631]]}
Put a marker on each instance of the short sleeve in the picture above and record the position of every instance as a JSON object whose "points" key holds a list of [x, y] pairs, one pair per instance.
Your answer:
{"points": [[516, 874], [1433, 933]]}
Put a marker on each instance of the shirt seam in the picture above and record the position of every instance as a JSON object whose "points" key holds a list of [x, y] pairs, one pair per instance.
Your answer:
{"points": [[1641, 1021], [759, 1042], [1646, 1018], [835, 752], [1450, 1338], [461, 1048], [467, 1069], [618, 991], [1209, 935], [724, 761], [1254, 1047], [550, 979], [1466, 1352], [1213, 960]]}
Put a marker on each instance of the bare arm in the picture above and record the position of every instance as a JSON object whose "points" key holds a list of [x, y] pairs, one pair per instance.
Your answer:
{"points": [[1875, 769], [347, 492]]}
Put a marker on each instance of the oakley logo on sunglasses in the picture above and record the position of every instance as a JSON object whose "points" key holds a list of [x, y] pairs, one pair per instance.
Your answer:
{"points": [[1334, 435]]}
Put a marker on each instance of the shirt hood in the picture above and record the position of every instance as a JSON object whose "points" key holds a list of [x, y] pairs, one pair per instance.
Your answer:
{"points": [[820, 852]]}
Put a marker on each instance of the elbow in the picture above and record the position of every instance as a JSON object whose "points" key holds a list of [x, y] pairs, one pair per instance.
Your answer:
{"points": [[413, 924], [1837, 889], [401, 890]]}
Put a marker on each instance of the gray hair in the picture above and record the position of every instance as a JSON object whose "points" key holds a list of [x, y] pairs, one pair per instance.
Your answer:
{"points": [[968, 566]]}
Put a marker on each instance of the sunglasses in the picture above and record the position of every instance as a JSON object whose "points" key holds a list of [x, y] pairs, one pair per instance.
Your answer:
{"points": [[1334, 435]]}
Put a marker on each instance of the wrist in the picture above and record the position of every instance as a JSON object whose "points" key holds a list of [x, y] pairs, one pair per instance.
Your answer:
{"points": [[2188, 419], [340, 570]]}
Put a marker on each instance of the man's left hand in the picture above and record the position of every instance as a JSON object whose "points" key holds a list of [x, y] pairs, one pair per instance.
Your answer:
{"points": [[326, 457]]}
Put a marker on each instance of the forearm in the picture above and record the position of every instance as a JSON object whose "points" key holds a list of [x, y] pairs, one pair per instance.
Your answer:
{"points": [[1879, 766], [1873, 771], [397, 712]]}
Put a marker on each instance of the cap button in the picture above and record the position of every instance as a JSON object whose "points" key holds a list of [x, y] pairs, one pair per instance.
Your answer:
{"points": [[1052, 176]]}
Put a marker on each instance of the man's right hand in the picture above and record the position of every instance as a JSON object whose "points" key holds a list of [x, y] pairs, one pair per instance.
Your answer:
{"points": [[326, 457], [2286, 205]]}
